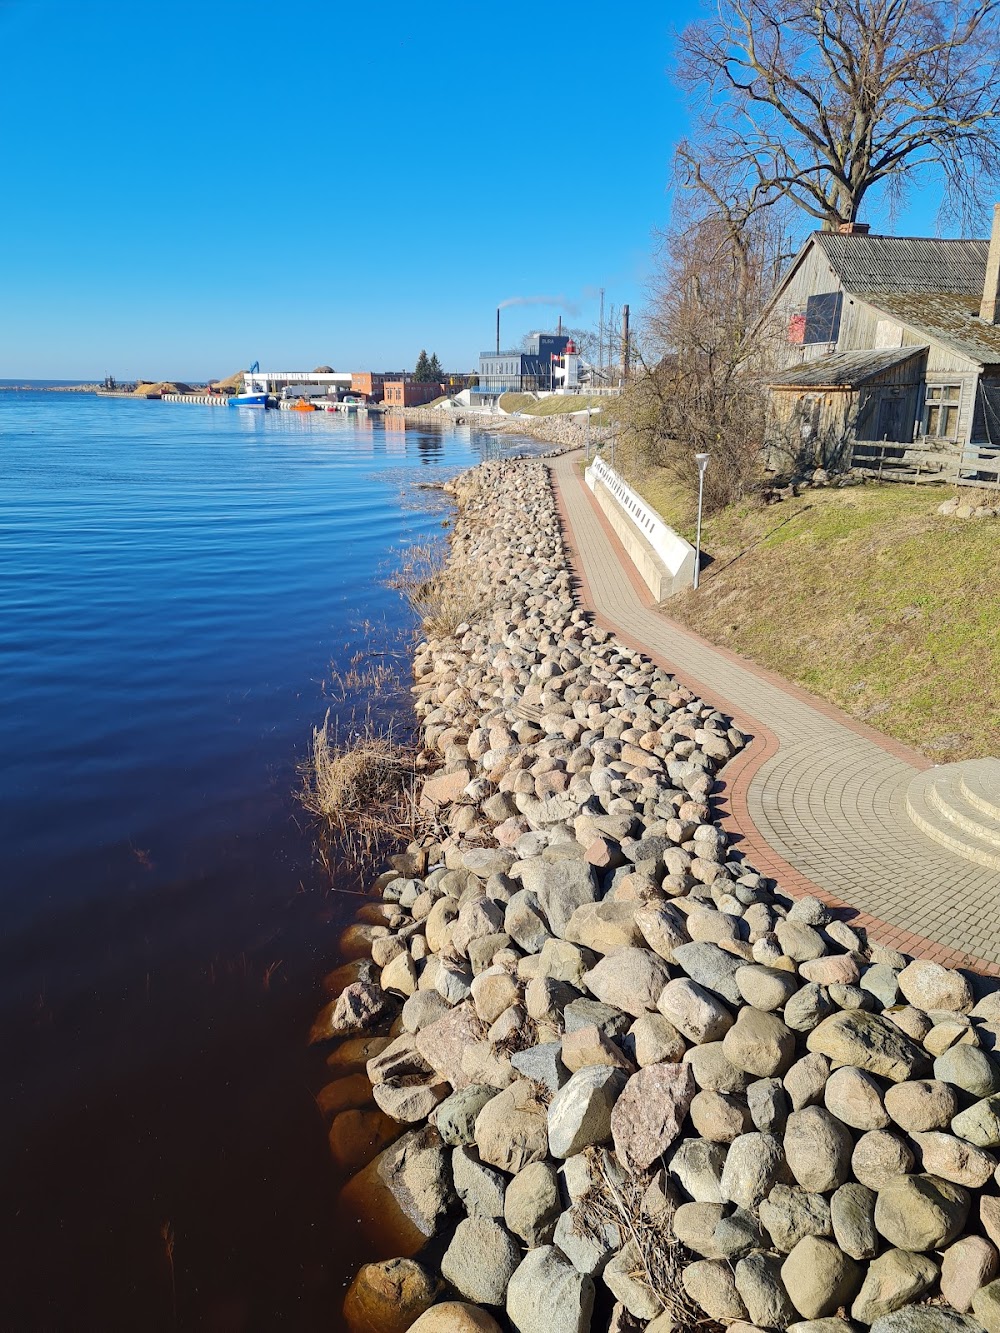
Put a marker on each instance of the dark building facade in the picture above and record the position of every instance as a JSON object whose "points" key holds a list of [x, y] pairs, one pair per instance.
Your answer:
{"points": [[521, 372]]}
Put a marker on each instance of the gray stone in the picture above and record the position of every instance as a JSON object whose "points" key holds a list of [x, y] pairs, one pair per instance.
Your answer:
{"points": [[694, 1011], [417, 1172], [819, 1277], [807, 1008], [768, 1105], [662, 928], [856, 1098], [697, 1165], [562, 887], [855, 1037], [711, 1285], [737, 1234], [423, 1009], [968, 1068], [893, 1280], [754, 1164], [818, 1150], [588, 1247], [455, 1118], [921, 1212], [531, 1206], [542, 1065], [579, 1115], [525, 921], [806, 1080], [758, 1281], [604, 927], [624, 1277], [694, 1226], [799, 941], [547, 1295], [766, 987], [711, 967], [980, 1123], [649, 1113], [481, 1260], [925, 1319], [713, 1071], [613, 1022], [480, 1188], [852, 1211], [759, 1043], [810, 911], [882, 982], [969, 1264], [789, 1215], [954, 1159], [928, 985], [629, 979], [511, 1129]]}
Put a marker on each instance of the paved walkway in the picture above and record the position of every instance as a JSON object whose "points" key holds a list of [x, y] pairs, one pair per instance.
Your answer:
{"points": [[817, 799]]}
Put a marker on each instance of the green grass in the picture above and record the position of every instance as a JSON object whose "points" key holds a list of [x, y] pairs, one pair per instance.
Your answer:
{"points": [[867, 597], [554, 405]]}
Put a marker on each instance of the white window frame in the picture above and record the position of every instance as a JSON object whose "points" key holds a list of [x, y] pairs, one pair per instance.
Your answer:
{"points": [[940, 404]]}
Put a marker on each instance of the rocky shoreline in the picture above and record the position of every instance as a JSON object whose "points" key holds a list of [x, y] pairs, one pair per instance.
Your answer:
{"points": [[559, 428], [591, 1070]]}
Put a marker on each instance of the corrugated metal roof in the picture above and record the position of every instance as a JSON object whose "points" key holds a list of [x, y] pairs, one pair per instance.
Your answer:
{"points": [[844, 369], [909, 263], [948, 317]]}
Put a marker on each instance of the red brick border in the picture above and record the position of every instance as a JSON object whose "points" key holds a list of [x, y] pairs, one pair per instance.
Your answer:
{"points": [[738, 774]]}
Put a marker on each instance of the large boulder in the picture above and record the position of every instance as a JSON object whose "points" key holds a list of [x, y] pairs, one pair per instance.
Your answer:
{"points": [[511, 1128], [579, 1115], [969, 1264], [387, 1297], [921, 1212], [711, 1285], [930, 986], [417, 1172], [754, 1164], [532, 1205], [455, 1317], [547, 1295], [758, 1281], [759, 1043], [856, 1037], [980, 1123], [893, 1280], [561, 887], [630, 979], [818, 1149], [790, 1214], [694, 1012], [481, 1260], [648, 1115], [819, 1277]]}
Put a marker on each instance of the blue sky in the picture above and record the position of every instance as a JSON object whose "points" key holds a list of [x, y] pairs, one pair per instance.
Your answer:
{"points": [[195, 185]]}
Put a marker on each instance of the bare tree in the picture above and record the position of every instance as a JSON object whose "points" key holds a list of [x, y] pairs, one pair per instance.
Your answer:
{"points": [[817, 101], [701, 386]]}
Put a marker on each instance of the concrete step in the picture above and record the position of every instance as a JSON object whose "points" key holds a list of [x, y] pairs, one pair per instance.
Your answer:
{"points": [[958, 805]]}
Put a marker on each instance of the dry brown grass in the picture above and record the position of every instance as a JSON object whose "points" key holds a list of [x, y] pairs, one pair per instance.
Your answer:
{"points": [[662, 1259], [443, 595], [363, 787]]}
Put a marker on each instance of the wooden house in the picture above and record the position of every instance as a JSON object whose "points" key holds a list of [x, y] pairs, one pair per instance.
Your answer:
{"points": [[885, 351]]}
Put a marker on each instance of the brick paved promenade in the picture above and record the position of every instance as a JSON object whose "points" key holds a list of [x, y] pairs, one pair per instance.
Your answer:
{"points": [[817, 798]]}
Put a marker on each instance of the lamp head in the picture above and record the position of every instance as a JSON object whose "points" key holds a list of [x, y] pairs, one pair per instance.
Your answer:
{"points": [[702, 461]]}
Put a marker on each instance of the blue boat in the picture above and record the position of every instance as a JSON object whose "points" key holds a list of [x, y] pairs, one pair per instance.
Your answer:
{"points": [[251, 396]]}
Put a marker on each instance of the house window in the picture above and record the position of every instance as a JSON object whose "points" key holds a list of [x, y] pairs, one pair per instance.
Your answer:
{"points": [[942, 410], [822, 322]]}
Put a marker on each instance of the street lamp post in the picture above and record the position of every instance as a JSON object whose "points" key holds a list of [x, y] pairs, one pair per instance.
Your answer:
{"points": [[702, 461]]}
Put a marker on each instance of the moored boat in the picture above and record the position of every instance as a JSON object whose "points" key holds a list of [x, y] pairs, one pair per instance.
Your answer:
{"points": [[251, 395]]}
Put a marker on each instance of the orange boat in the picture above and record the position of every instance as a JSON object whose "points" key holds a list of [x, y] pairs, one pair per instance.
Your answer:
{"points": [[302, 406]]}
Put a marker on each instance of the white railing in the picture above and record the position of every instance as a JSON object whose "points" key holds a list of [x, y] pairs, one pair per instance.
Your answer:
{"points": [[674, 551]]}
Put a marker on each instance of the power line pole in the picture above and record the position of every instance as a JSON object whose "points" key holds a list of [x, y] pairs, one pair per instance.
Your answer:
{"points": [[600, 340]]}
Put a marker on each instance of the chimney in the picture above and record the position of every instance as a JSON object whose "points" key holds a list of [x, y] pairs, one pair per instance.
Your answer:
{"points": [[853, 228], [989, 306], [560, 326], [498, 330]]}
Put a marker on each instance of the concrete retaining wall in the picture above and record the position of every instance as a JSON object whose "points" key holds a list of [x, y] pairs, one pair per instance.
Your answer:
{"points": [[209, 399], [663, 557]]}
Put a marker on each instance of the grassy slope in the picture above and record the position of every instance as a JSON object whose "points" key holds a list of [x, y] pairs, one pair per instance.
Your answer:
{"points": [[552, 406], [865, 596]]}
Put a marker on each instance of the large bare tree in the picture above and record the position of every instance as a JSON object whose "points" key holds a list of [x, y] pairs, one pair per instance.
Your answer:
{"points": [[818, 101]]}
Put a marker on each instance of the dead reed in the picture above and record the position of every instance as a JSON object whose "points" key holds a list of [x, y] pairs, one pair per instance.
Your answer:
{"points": [[443, 594]]}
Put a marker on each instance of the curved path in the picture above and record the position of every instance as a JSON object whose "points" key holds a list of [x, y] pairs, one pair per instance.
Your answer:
{"points": [[816, 799]]}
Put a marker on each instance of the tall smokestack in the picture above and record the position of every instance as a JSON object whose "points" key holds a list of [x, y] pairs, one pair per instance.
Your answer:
{"points": [[498, 330], [989, 307], [560, 326], [626, 344]]}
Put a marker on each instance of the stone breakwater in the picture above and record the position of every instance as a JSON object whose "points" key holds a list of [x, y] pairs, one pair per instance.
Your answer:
{"points": [[592, 1071], [560, 428]]}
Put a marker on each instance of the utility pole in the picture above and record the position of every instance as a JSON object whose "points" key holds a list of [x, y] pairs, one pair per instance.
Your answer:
{"points": [[600, 340], [626, 349]]}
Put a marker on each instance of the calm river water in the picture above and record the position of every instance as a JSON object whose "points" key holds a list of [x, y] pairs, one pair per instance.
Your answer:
{"points": [[176, 581]]}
